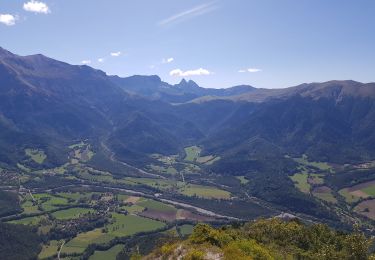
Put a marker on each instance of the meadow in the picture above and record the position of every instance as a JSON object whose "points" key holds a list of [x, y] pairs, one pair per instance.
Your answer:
{"points": [[109, 254]]}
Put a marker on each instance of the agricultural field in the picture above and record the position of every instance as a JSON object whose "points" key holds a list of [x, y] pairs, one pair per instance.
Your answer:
{"points": [[71, 213], [81, 152], [366, 208], [163, 169], [186, 230], [36, 155], [109, 254], [323, 166], [192, 154], [242, 179], [324, 193], [207, 192], [300, 181], [359, 191], [50, 249]]}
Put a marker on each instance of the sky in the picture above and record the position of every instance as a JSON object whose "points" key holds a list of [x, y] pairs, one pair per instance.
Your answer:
{"points": [[218, 43]]}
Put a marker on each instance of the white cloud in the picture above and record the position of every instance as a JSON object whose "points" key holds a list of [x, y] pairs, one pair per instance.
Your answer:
{"points": [[8, 19], [168, 60], [36, 7], [85, 62], [251, 70], [195, 11], [101, 60], [197, 72], [115, 54]]}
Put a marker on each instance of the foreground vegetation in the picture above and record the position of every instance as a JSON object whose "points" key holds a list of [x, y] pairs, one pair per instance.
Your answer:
{"points": [[267, 239]]}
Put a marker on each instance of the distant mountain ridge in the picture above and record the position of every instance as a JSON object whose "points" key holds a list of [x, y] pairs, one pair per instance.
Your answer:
{"points": [[45, 99], [153, 87]]}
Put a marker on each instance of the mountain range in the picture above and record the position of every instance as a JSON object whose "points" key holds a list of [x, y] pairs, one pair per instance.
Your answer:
{"points": [[48, 104]]}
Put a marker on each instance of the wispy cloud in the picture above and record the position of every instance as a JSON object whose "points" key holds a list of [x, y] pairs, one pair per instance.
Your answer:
{"points": [[86, 62], [195, 11], [101, 60], [36, 7], [167, 60], [251, 70], [197, 72], [8, 19], [116, 54]]}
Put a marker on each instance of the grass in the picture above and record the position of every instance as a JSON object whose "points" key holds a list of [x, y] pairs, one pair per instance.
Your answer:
{"points": [[126, 225], [205, 159], [300, 181], [29, 208], [23, 167], [350, 198], [207, 192], [50, 250], [71, 213], [242, 179], [157, 205], [323, 166], [123, 225], [186, 229], [29, 221], [82, 240], [109, 254], [163, 169], [133, 209], [192, 153], [36, 155], [316, 178], [369, 190], [326, 197], [50, 202]]}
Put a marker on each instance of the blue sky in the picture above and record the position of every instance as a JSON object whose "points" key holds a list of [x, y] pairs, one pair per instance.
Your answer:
{"points": [[222, 43]]}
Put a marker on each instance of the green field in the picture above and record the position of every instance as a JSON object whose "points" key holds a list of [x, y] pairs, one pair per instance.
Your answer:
{"points": [[186, 229], [163, 169], [207, 192], [23, 167], [50, 202], [369, 190], [350, 198], [325, 195], [109, 254], [123, 225], [126, 225], [82, 240], [30, 221], [157, 205], [133, 209], [71, 213], [320, 165], [50, 249], [192, 153], [242, 179], [29, 208], [36, 155], [300, 181]]}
